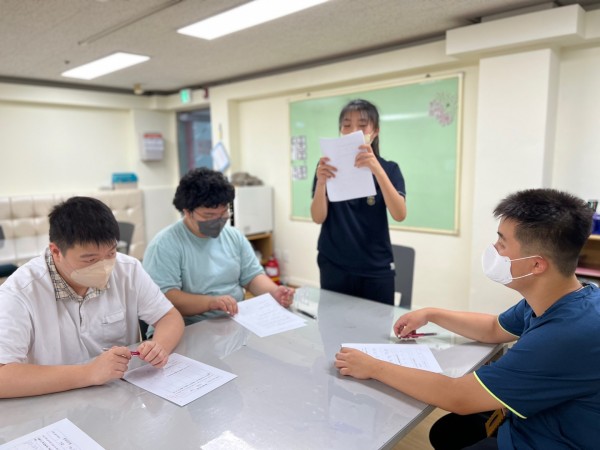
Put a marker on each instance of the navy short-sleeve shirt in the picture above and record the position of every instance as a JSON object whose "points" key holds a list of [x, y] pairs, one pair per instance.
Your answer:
{"points": [[355, 235], [550, 379]]}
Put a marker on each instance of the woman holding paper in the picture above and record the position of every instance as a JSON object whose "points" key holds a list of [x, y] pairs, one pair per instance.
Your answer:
{"points": [[355, 251]]}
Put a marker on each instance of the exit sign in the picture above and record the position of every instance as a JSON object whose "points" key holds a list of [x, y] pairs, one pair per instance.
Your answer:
{"points": [[185, 95]]}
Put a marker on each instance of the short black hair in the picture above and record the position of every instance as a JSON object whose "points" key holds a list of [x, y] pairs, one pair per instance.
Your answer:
{"points": [[203, 187], [80, 221], [367, 111], [549, 222]]}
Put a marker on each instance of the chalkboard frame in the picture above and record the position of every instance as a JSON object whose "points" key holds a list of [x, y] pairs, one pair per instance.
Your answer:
{"points": [[433, 104]]}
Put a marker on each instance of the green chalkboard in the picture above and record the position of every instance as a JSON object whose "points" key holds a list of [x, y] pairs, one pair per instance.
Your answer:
{"points": [[419, 130]]}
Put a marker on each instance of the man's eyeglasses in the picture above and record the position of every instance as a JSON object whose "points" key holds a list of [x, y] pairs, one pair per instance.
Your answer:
{"points": [[210, 215]]}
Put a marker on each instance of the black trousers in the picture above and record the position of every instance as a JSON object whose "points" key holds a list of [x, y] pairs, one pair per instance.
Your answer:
{"points": [[454, 432], [333, 278]]}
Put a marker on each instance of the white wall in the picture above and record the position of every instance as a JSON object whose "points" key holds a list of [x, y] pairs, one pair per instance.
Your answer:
{"points": [[61, 140], [57, 149], [577, 149], [513, 150], [268, 158]]}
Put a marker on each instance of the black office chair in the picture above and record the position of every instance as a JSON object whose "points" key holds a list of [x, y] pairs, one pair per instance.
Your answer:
{"points": [[6, 270], [404, 260], [143, 329], [126, 234]]}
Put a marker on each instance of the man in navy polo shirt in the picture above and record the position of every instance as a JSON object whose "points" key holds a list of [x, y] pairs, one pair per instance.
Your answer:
{"points": [[548, 383]]}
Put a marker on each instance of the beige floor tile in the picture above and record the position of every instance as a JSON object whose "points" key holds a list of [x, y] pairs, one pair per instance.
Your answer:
{"points": [[418, 438]]}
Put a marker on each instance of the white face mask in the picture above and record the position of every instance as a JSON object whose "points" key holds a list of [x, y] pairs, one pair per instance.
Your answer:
{"points": [[96, 275], [497, 267]]}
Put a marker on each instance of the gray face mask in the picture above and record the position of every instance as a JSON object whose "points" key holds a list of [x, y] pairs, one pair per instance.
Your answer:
{"points": [[213, 227]]}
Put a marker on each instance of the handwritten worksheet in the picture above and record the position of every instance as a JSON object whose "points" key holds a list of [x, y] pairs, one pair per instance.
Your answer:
{"points": [[61, 435], [416, 356], [181, 381], [264, 316], [349, 181]]}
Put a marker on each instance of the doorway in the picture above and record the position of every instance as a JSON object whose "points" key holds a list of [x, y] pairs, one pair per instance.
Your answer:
{"points": [[194, 140]]}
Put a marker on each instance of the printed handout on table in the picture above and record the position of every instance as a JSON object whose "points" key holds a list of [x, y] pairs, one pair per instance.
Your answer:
{"points": [[416, 356], [264, 316], [181, 381], [61, 435]]}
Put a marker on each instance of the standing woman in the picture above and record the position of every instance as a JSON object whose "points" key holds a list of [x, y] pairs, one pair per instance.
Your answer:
{"points": [[355, 252]]}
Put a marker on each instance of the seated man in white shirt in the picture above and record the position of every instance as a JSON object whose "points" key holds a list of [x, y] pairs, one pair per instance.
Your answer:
{"points": [[67, 317]]}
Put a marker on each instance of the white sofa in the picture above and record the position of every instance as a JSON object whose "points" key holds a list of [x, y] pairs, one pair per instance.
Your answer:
{"points": [[27, 215]]}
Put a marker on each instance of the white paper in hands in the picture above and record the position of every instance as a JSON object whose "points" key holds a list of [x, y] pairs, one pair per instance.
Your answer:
{"points": [[264, 316], [181, 381], [416, 356], [349, 182]]}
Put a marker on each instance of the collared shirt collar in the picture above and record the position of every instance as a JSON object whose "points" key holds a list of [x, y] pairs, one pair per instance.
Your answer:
{"points": [[62, 290]]}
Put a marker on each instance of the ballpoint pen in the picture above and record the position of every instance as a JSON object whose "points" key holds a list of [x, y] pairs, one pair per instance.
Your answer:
{"points": [[416, 335], [312, 316], [133, 352]]}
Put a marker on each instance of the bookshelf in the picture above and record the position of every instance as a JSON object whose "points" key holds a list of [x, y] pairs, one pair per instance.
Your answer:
{"points": [[589, 259], [263, 242]]}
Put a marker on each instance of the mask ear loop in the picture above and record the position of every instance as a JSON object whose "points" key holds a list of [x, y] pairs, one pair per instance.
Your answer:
{"points": [[522, 276], [525, 257], [520, 259]]}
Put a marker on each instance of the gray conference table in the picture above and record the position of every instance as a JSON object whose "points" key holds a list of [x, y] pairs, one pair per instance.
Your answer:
{"points": [[287, 394]]}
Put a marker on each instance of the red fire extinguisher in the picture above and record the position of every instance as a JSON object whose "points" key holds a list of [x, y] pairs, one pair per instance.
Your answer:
{"points": [[272, 269]]}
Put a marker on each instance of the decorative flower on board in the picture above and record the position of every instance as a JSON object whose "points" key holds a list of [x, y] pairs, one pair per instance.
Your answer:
{"points": [[443, 108]]}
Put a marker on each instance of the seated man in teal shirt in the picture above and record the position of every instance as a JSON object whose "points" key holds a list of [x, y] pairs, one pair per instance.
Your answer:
{"points": [[200, 264]]}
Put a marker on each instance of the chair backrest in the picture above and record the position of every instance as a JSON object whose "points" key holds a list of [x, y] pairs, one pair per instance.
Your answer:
{"points": [[126, 234], [143, 329], [404, 260], [5, 269]]}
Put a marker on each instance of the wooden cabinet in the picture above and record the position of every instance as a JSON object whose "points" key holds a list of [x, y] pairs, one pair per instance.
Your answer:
{"points": [[589, 259], [262, 242]]}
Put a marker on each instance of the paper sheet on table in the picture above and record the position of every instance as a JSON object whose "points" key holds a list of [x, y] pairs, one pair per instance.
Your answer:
{"points": [[181, 381], [264, 316], [416, 356], [349, 181], [61, 435]]}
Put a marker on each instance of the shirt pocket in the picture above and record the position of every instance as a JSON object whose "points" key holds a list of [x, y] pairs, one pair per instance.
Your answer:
{"points": [[114, 329]]}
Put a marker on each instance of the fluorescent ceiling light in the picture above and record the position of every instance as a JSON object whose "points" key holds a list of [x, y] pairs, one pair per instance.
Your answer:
{"points": [[245, 16], [102, 66]]}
